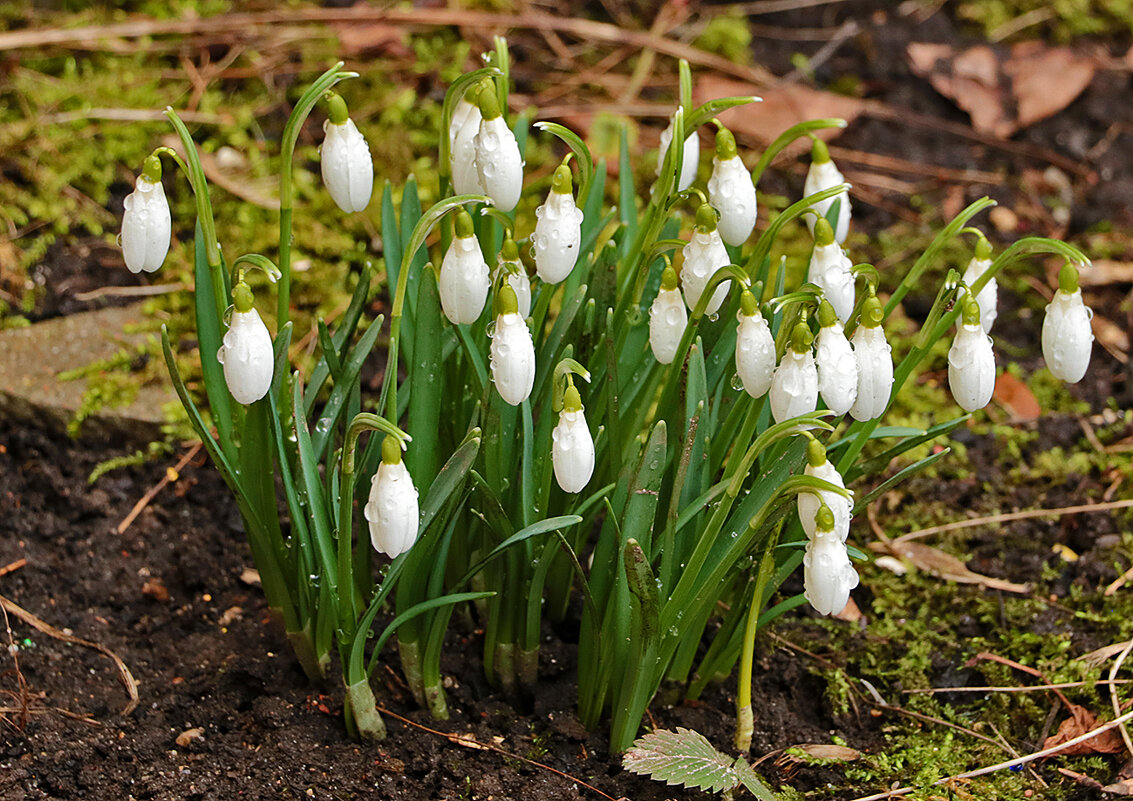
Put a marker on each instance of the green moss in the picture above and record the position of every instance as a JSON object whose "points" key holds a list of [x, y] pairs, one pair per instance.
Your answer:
{"points": [[1063, 20], [728, 35]]}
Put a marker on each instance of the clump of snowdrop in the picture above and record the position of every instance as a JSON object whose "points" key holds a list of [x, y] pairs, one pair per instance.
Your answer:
{"points": [[462, 132], [703, 256], [831, 270], [837, 365], [392, 510], [690, 161], [498, 161], [731, 191], [819, 466], [667, 319], [988, 297], [755, 348], [464, 280], [348, 168], [824, 175], [1067, 338], [510, 269], [513, 352], [558, 230], [828, 575], [146, 222], [572, 451], [246, 354], [875, 362], [971, 361], [794, 387]]}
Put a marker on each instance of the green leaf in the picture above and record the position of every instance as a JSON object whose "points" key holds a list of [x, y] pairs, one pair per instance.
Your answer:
{"points": [[341, 337], [682, 757], [328, 421], [420, 609], [892, 481], [542, 527], [581, 151]]}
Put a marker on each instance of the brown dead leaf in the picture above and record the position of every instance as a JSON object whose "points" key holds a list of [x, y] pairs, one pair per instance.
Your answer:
{"points": [[360, 38], [1016, 397], [187, 736], [1112, 337], [945, 566], [828, 751], [1046, 80], [1123, 787], [1081, 721], [851, 613], [1104, 272]]}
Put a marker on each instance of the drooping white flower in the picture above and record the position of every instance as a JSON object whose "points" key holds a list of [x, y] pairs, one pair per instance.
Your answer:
{"points": [[462, 130], [348, 168], [875, 363], [755, 348], [971, 362], [558, 231], [830, 270], [512, 353], [510, 269], [703, 256], [464, 281], [246, 352], [392, 509], [667, 319], [497, 155], [731, 191], [794, 387], [828, 575], [837, 366], [690, 160], [988, 297], [572, 449], [1067, 338], [146, 222], [810, 502], [824, 175]]}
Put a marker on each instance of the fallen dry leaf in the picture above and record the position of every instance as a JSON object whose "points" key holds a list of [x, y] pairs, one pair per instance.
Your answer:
{"points": [[945, 566], [1082, 720], [1016, 397], [851, 613], [358, 38], [1104, 272], [828, 751], [1123, 787]]}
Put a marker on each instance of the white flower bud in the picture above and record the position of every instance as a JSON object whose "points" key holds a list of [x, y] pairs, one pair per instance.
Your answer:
{"points": [[348, 169], [667, 319], [512, 353], [971, 363], [755, 349], [810, 502], [837, 367], [497, 155], [572, 449], [703, 256], [146, 223], [462, 149], [1067, 337], [690, 162], [988, 297], [794, 387], [828, 575], [464, 279], [246, 353], [731, 191], [558, 230], [392, 509], [830, 271], [510, 268], [824, 175], [875, 364]]}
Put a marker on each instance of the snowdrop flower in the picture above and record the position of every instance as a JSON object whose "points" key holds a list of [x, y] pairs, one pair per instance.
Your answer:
{"points": [[731, 191], [794, 387], [348, 169], [146, 223], [875, 363], [755, 348], [690, 160], [824, 175], [830, 270], [837, 366], [510, 269], [497, 154], [987, 297], [828, 575], [558, 231], [392, 510], [462, 132], [703, 256], [247, 353], [512, 353], [1067, 338], [463, 282], [667, 319], [810, 502], [572, 451], [971, 362]]}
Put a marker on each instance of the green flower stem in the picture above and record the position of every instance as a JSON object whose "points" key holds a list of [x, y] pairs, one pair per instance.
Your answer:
{"points": [[788, 136], [744, 717], [763, 247]]}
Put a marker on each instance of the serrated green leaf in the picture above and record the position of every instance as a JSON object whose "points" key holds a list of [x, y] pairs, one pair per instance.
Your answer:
{"points": [[751, 781], [682, 757]]}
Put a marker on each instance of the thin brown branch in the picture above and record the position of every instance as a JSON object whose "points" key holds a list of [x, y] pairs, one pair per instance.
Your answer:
{"points": [[170, 476], [1009, 516]]}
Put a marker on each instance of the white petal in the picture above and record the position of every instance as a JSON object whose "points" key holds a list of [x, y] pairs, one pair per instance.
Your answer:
{"points": [[347, 167], [755, 355], [703, 256], [988, 297], [830, 271], [875, 373], [392, 510], [462, 154], [572, 451], [558, 234], [828, 575], [971, 368], [464, 281], [248, 357], [499, 163], [1067, 337], [794, 387], [841, 507], [690, 161], [732, 193], [837, 369], [667, 321], [824, 176], [512, 359], [146, 226]]}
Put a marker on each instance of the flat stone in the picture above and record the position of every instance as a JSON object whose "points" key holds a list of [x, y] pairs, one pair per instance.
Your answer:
{"points": [[32, 358]]}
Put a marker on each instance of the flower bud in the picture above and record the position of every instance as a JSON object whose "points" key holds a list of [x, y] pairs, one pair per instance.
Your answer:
{"points": [[462, 132], [703, 256], [572, 451], [558, 230], [875, 364], [348, 169], [755, 348], [667, 319], [830, 270], [828, 575], [392, 510], [837, 365], [809, 503], [794, 387], [464, 281], [512, 353], [731, 191], [510, 268], [146, 222], [971, 362], [1067, 338], [987, 297], [824, 175], [246, 353], [497, 155], [690, 161]]}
